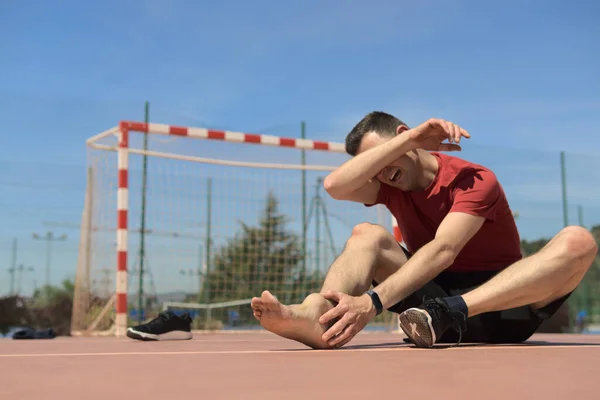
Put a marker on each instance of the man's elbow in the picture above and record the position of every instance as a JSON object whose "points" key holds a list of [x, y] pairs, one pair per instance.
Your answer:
{"points": [[446, 254], [331, 188]]}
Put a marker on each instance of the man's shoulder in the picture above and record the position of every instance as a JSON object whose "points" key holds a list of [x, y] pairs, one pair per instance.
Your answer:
{"points": [[474, 188], [457, 169], [459, 162]]}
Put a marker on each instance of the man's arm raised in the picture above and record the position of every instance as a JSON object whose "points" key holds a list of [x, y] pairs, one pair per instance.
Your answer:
{"points": [[355, 179]]}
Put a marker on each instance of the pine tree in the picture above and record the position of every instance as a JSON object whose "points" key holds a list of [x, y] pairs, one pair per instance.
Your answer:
{"points": [[262, 257]]}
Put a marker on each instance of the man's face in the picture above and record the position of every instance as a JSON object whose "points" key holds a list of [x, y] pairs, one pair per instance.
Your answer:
{"points": [[401, 173]]}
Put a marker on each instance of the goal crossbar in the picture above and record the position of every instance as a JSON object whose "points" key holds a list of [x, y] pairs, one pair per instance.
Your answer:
{"points": [[123, 150], [223, 135]]}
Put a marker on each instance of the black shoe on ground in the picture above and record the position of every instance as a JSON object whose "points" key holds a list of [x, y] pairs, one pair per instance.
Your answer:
{"points": [[167, 326], [426, 324]]}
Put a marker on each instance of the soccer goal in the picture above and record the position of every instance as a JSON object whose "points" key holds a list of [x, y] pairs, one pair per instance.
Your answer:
{"points": [[201, 220]]}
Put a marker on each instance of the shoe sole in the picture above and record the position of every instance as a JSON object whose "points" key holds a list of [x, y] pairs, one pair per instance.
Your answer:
{"points": [[173, 335], [416, 324]]}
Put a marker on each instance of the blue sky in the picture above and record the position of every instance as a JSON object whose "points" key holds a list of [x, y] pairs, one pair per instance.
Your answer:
{"points": [[521, 76]]}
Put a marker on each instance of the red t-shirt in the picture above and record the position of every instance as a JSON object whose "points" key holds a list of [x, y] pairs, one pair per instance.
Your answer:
{"points": [[464, 187]]}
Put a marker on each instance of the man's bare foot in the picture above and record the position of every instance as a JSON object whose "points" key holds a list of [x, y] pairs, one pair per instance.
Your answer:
{"points": [[297, 322]]}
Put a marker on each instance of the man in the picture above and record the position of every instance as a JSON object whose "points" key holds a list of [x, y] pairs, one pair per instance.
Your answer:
{"points": [[461, 277]]}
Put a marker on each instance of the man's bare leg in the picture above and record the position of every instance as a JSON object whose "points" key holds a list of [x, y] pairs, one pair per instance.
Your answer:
{"points": [[370, 253], [539, 279]]}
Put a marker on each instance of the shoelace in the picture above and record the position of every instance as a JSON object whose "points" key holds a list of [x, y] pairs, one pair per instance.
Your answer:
{"points": [[457, 326], [438, 308]]}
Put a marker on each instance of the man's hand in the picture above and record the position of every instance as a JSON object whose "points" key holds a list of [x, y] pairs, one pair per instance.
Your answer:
{"points": [[430, 135], [354, 314]]}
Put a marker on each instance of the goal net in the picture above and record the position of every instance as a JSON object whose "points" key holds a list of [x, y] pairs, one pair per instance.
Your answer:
{"points": [[200, 221]]}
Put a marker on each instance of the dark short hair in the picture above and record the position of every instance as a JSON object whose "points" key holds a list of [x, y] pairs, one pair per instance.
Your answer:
{"points": [[382, 123]]}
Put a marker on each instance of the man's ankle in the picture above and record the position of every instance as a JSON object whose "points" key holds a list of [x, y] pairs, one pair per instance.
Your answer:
{"points": [[457, 303]]}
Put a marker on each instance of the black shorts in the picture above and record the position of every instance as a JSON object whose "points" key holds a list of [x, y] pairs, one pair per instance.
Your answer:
{"points": [[510, 326]]}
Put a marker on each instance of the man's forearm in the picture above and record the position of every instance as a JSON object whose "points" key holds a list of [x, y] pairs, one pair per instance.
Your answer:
{"points": [[357, 171], [421, 268]]}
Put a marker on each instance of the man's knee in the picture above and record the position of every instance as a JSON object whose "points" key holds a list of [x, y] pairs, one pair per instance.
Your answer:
{"points": [[372, 236], [578, 243]]}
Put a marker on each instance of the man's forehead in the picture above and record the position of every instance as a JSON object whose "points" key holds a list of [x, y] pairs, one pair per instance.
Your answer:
{"points": [[370, 140]]}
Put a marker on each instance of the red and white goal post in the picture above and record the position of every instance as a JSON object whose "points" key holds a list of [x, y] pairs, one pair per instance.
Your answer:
{"points": [[178, 215]]}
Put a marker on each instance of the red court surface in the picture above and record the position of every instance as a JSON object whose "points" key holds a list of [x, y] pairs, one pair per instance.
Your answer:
{"points": [[262, 366]]}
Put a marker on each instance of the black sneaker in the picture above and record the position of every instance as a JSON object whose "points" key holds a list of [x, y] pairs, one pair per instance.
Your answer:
{"points": [[167, 326], [425, 325]]}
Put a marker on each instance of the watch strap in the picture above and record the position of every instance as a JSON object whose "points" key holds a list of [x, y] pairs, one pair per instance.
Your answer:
{"points": [[376, 301]]}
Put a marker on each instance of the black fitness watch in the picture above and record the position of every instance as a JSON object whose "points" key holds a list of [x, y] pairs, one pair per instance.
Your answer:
{"points": [[376, 301]]}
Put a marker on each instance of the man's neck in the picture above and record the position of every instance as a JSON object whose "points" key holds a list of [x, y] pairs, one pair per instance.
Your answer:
{"points": [[429, 169]]}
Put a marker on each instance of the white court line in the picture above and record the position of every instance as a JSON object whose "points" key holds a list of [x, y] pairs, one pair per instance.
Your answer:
{"points": [[76, 341], [298, 351]]}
